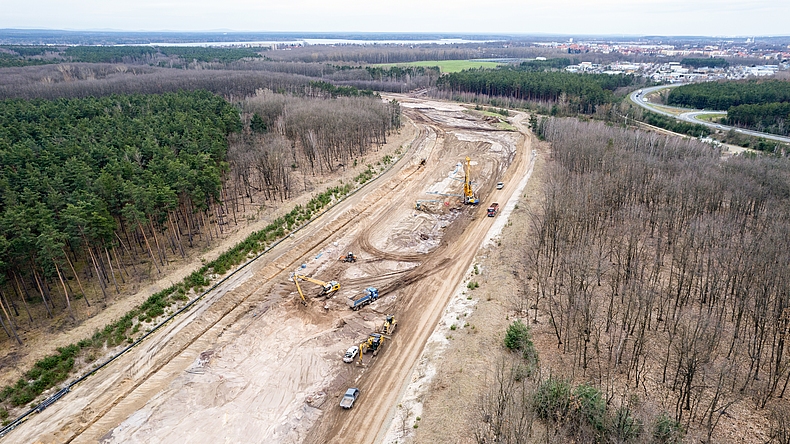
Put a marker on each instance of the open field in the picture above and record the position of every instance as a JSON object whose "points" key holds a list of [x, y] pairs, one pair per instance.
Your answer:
{"points": [[446, 65]]}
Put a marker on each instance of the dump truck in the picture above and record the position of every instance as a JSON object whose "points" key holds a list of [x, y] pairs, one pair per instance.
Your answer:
{"points": [[348, 399], [493, 209], [369, 295]]}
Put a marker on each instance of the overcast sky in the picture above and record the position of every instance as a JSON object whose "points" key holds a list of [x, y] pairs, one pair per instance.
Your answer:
{"points": [[638, 17]]}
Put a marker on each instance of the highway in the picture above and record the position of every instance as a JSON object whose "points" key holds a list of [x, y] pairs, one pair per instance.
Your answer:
{"points": [[692, 115]]}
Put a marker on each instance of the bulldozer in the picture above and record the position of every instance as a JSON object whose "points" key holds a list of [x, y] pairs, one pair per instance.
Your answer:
{"points": [[389, 325], [327, 288]]}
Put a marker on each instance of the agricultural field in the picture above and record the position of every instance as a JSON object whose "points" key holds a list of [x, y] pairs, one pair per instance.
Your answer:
{"points": [[446, 65]]}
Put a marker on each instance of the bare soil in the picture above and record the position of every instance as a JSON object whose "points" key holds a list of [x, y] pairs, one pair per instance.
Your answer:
{"points": [[451, 379], [252, 364]]}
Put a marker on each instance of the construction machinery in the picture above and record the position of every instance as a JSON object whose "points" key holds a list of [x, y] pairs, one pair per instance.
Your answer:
{"points": [[326, 287], [348, 257], [469, 196], [374, 343], [389, 325], [369, 295]]}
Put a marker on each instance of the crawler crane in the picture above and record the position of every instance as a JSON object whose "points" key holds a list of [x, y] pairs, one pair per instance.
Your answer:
{"points": [[469, 196], [326, 287]]}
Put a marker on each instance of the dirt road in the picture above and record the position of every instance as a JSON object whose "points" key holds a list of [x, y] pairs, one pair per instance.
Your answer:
{"points": [[254, 365]]}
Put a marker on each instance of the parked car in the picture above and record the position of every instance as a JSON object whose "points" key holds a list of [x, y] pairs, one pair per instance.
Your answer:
{"points": [[348, 399], [500, 185], [351, 353]]}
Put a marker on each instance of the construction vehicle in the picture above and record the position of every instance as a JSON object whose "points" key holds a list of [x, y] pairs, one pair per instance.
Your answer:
{"points": [[369, 295], [389, 325], [373, 344], [326, 287], [348, 258], [493, 209], [469, 196]]}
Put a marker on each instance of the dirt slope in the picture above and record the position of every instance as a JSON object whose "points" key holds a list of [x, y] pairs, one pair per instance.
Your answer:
{"points": [[252, 364]]}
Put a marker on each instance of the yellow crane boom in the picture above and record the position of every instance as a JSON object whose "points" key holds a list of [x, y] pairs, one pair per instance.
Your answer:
{"points": [[326, 287], [469, 195]]}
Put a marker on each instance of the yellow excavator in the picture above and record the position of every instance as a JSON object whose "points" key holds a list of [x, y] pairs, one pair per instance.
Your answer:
{"points": [[469, 196], [373, 343], [326, 287]]}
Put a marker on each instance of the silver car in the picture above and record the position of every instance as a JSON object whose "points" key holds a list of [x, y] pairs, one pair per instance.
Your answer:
{"points": [[351, 353]]}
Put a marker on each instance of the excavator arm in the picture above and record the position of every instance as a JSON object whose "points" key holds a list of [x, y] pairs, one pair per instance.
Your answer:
{"points": [[304, 301], [328, 287]]}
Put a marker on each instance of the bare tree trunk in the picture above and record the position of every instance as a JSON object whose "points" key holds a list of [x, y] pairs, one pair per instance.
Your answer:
{"points": [[65, 292], [156, 240], [129, 254], [176, 234], [149, 247], [84, 295], [35, 276], [112, 272], [121, 266], [22, 296]]}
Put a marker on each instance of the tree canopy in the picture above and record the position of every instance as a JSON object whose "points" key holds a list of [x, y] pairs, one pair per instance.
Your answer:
{"points": [[75, 171], [584, 91]]}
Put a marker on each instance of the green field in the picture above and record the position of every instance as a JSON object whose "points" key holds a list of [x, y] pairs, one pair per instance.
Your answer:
{"points": [[446, 65]]}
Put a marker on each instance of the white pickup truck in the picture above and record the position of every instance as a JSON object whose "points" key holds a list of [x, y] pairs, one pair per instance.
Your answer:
{"points": [[348, 399]]}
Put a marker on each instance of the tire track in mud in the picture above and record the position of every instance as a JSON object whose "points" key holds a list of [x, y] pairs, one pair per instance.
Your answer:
{"points": [[95, 398], [419, 308]]}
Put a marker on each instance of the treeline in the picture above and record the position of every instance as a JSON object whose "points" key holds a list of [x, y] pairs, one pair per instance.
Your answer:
{"points": [[200, 54], [762, 105], [98, 80], [675, 125], [326, 132], [544, 65], [135, 54], [582, 92], [705, 62], [108, 54], [103, 183], [767, 117], [659, 266], [12, 61], [95, 188], [27, 51], [724, 95], [233, 85], [385, 53]]}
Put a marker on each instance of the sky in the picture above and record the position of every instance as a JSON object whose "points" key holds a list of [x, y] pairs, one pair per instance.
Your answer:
{"points": [[602, 17]]}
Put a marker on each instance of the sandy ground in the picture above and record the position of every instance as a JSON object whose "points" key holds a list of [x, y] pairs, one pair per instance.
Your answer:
{"points": [[253, 364], [43, 341]]}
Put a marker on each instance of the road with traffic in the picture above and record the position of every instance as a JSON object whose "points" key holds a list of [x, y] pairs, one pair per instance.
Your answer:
{"points": [[639, 97]]}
